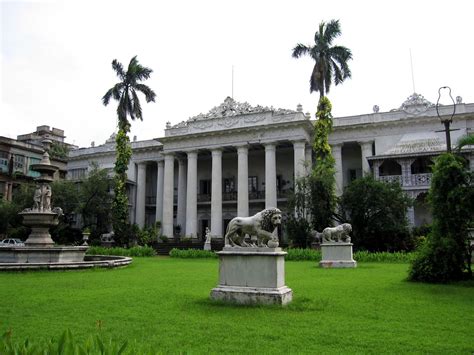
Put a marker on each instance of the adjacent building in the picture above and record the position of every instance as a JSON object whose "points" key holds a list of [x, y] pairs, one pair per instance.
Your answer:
{"points": [[17, 156], [237, 159]]}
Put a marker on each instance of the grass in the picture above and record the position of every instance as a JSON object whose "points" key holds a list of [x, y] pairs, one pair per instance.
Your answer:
{"points": [[162, 304]]}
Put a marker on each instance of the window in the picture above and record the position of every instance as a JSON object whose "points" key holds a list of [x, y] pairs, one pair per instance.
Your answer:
{"points": [[253, 184], [18, 162], [229, 185], [3, 162], [77, 174], [30, 171]]}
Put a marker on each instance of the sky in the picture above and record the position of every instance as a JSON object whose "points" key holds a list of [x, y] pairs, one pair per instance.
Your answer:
{"points": [[56, 58]]}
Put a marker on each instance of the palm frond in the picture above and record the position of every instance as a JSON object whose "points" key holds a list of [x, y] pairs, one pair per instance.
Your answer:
{"points": [[136, 107], [332, 31], [465, 140], [145, 90], [300, 50], [114, 92], [107, 96], [118, 67]]}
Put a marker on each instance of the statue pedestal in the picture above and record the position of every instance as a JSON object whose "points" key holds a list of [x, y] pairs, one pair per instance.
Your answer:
{"points": [[337, 255], [252, 276]]}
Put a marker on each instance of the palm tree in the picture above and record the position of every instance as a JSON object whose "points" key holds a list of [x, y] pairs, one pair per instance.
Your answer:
{"points": [[125, 92], [467, 139], [330, 62]]}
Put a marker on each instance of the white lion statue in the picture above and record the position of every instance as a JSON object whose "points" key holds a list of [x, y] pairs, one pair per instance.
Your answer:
{"points": [[337, 234], [244, 231]]}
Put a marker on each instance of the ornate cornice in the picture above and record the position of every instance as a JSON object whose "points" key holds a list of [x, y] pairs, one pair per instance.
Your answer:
{"points": [[416, 104]]}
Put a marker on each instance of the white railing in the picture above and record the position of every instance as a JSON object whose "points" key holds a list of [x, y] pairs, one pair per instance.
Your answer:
{"points": [[391, 178], [421, 179]]}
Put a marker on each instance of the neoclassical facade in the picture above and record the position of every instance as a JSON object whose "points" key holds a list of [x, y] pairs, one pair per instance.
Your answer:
{"points": [[237, 159]]}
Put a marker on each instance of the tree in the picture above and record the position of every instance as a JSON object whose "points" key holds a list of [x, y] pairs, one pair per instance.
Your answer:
{"points": [[443, 257], [96, 200], [467, 139], [377, 212], [125, 92], [330, 61]]}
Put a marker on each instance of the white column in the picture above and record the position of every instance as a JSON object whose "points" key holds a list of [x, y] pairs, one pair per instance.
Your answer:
{"points": [[181, 215], [299, 159], [159, 190], [242, 181], [141, 195], [191, 196], [366, 151], [270, 176], [216, 193], [406, 171], [337, 155], [168, 189], [309, 159]]}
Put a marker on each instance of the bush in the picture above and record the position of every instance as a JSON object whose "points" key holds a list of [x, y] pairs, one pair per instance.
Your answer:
{"points": [[298, 254], [134, 251], [444, 256], [298, 231], [377, 212], [192, 253]]}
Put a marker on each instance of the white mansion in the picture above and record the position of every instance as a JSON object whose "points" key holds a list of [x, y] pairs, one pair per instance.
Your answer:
{"points": [[238, 159]]}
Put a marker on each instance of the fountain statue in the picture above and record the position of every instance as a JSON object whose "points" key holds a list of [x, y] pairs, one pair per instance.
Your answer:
{"points": [[40, 250]]}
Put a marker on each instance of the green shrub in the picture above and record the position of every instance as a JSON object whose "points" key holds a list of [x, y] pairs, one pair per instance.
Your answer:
{"points": [[377, 212], [384, 257], [192, 253], [444, 256], [134, 251], [298, 254], [298, 231], [66, 344]]}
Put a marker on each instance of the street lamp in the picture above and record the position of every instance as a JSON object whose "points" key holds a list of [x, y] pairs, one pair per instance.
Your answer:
{"points": [[446, 119]]}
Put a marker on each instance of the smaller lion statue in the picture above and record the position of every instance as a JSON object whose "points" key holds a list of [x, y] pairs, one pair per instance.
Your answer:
{"points": [[337, 234], [244, 231]]}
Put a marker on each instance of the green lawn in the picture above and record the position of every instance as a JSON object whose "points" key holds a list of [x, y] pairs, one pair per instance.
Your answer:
{"points": [[163, 304]]}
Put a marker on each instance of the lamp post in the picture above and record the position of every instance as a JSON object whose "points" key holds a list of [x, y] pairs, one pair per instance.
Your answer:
{"points": [[446, 119]]}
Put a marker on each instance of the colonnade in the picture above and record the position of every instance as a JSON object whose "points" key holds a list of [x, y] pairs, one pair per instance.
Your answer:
{"points": [[188, 186]]}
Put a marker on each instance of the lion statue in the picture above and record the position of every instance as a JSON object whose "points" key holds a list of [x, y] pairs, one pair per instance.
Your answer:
{"points": [[337, 234], [259, 228]]}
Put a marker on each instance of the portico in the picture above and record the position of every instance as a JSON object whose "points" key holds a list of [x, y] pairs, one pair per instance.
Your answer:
{"points": [[233, 161]]}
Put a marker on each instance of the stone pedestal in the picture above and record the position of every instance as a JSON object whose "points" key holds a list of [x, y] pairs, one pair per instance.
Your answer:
{"points": [[337, 255], [252, 276]]}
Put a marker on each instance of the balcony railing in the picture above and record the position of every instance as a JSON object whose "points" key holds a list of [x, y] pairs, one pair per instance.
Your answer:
{"points": [[391, 178], [421, 179], [416, 179], [232, 196]]}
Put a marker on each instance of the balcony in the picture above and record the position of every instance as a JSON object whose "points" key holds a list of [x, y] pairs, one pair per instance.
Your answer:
{"points": [[423, 180], [391, 178]]}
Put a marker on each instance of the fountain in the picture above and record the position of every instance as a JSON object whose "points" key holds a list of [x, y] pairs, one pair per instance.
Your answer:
{"points": [[39, 250]]}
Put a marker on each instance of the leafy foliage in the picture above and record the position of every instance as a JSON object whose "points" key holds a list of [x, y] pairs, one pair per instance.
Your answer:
{"points": [[192, 253], [133, 251], [377, 212], [330, 62], [125, 92], [58, 150], [443, 257]]}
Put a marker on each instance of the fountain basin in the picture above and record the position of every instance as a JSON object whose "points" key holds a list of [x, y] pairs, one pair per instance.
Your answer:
{"points": [[27, 254], [25, 258], [39, 222]]}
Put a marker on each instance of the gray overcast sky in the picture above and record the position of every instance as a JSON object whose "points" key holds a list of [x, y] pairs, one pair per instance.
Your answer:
{"points": [[56, 57]]}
